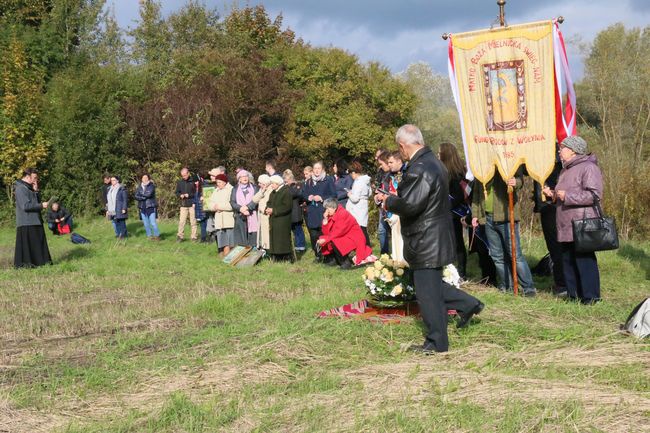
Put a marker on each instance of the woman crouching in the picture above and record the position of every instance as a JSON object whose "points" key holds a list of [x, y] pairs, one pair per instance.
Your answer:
{"points": [[342, 235]]}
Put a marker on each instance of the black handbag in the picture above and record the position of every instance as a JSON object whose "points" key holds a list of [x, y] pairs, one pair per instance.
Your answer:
{"points": [[595, 234]]}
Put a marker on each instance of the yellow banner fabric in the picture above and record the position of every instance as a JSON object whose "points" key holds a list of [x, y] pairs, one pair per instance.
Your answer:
{"points": [[506, 91]]}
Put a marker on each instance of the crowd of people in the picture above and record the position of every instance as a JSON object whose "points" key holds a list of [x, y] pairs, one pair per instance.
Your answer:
{"points": [[268, 213], [424, 201]]}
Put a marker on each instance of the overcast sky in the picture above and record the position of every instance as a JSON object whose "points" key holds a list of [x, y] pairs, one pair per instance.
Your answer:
{"points": [[400, 32]]}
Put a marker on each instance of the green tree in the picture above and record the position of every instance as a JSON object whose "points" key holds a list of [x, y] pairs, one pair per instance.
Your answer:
{"points": [[89, 137], [22, 142], [346, 109], [614, 101], [435, 114], [151, 46]]}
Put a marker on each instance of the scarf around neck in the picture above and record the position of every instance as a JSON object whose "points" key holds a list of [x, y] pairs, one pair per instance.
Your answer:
{"points": [[319, 178], [244, 197], [112, 198]]}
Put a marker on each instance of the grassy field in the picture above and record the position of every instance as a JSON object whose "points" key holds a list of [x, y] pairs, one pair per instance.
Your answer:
{"points": [[162, 337]]}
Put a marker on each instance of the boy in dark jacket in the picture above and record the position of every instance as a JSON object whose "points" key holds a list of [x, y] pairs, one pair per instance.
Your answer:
{"points": [[58, 218]]}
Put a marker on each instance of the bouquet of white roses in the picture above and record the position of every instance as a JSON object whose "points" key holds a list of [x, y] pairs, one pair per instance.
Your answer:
{"points": [[389, 282]]}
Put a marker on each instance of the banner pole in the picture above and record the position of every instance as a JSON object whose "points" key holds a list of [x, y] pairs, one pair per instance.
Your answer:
{"points": [[513, 240], [511, 198], [502, 12]]}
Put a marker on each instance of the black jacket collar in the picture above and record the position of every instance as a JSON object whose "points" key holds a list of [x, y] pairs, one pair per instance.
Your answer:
{"points": [[29, 186], [419, 154]]}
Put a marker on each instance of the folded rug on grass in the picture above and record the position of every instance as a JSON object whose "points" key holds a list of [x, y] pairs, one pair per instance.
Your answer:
{"points": [[363, 310]]}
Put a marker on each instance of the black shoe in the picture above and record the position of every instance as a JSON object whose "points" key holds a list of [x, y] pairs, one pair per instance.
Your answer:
{"points": [[593, 301], [530, 294], [346, 265], [559, 292], [424, 349], [328, 261], [465, 318]]}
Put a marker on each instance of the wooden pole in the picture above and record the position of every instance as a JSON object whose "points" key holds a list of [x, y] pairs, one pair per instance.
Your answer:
{"points": [[511, 191], [513, 240]]}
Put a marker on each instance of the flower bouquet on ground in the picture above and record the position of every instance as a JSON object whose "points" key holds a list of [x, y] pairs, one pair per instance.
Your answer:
{"points": [[389, 283]]}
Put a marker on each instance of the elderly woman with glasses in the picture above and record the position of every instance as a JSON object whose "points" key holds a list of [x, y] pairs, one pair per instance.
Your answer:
{"points": [[279, 210], [224, 221], [579, 188], [261, 199], [341, 236], [245, 210]]}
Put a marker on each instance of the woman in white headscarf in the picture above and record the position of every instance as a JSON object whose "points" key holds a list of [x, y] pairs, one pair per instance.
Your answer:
{"points": [[261, 198]]}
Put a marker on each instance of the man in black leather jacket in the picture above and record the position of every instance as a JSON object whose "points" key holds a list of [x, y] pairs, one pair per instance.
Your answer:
{"points": [[423, 206]]}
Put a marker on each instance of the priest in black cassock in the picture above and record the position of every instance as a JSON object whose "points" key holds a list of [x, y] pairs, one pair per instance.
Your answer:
{"points": [[31, 243]]}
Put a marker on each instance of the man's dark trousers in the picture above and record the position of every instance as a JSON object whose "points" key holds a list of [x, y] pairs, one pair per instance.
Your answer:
{"points": [[549, 228], [435, 297]]}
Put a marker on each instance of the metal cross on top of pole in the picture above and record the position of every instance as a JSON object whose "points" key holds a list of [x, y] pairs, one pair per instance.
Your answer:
{"points": [[502, 12]]}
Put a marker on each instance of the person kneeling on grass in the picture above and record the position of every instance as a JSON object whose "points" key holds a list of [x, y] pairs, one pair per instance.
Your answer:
{"points": [[342, 235], [59, 219]]}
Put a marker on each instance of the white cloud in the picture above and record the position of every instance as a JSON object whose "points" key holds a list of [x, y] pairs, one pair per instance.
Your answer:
{"points": [[378, 29]]}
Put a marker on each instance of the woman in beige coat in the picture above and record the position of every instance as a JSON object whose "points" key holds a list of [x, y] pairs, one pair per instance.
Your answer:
{"points": [[224, 220], [262, 198]]}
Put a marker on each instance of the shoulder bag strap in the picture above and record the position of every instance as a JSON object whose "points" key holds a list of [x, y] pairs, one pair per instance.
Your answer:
{"points": [[596, 205]]}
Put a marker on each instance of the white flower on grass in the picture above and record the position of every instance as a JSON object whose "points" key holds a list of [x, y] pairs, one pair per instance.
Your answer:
{"points": [[450, 276]]}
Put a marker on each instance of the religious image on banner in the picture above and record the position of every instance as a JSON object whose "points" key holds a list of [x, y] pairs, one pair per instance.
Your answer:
{"points": [[503, 82], [505, 95]]}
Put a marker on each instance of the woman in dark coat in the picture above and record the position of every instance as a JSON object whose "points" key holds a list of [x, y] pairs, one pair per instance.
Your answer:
{"points": [[342, 181], [145, 195], [449, 156], [317, 189], [31, 243], [295, 190], [579, 186], [279, 210], [241, 200]]}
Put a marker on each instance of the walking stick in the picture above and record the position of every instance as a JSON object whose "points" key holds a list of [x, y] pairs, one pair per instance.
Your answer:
{"points": [[513, 243]]}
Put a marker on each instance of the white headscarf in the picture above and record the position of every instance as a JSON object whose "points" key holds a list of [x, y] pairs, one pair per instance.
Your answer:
{"points": [[277, 179]]}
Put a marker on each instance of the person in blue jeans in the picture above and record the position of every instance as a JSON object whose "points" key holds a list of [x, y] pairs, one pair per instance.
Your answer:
{"points": [[117, 207], [145, 195], [199, 213], [490, 207], [381, 181]]}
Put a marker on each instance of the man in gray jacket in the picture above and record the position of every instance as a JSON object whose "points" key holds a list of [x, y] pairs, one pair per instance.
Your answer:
{"points": [[31, 243]]}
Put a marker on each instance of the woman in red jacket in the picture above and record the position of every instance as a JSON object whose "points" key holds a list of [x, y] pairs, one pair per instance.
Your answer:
{"points": [[342, 235]]}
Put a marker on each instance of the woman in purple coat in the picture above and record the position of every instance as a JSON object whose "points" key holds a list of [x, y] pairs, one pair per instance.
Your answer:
{"points": [[579, 184]]}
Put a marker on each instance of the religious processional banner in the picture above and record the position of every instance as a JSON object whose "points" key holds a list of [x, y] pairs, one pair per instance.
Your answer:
{"points": [[503, 81]]}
